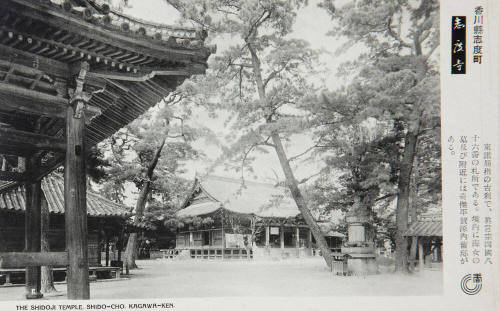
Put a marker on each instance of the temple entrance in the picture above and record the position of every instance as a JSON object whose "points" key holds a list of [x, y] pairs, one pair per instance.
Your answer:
{"points": [[289, 236], [205, 236]]}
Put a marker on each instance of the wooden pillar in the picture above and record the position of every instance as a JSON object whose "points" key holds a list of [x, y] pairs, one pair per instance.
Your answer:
{"points": [[191, 239], [420, 255], [107, 251], [119, 244], [76, 206], [413, 252], [282, 237], [297, 240], [297, 237], [33, 230], [7, 278], [267, 236], [99, 241], [439, 251], [223, 234], [310, 241], [223, 241], [435, 251]]}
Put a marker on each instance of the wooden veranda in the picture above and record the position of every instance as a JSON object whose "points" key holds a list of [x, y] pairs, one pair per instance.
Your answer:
{"points": [[72, 73]]}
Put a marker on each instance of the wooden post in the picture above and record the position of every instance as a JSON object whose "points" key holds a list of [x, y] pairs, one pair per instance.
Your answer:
{"points": [[310, 242], [435, 252], [191, 239], [119, 246], [7, 279], [47, 275], [420, 255], [297, 240], [282, 237], [267, 236], [223, 237], [107, 250], [99, 241], [439, 251], [413, 252], [223, 241], [33, 230], [76, 206]]}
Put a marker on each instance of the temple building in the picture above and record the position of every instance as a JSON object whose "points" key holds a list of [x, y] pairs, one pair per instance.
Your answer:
{"points": [[106, 225], [228, 218], [425, 237], [72, 73]]}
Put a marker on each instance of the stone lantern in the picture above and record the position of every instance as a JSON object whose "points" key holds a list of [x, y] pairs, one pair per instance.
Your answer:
{"points": [[360, 245]]}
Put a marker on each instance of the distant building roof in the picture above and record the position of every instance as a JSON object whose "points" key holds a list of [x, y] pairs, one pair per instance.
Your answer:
{"points": [[260, 199], [427, 225], [53, 189]]}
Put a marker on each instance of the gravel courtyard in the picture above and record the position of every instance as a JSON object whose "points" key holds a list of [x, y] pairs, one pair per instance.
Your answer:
{"points": [[285, 278]]}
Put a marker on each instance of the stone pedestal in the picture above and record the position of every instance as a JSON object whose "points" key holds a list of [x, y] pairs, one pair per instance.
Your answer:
{"points": [[360, 245], [361, 260]]}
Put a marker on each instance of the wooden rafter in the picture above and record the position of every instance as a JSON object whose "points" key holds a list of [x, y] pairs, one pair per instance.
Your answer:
{"points": [[30, 141], [137, 77], [45, 108], [33, 62]]}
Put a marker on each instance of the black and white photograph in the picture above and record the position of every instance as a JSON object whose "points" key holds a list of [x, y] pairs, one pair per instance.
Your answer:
{"points": [[168, 149]]}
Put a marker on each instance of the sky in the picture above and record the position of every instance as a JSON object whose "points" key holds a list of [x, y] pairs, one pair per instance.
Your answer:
{"points": [[312, 25]]}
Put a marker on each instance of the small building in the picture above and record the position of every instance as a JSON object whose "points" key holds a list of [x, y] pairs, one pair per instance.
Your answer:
{"points": [[228, 218], [425, 239], [105, 222], [333, 238]]}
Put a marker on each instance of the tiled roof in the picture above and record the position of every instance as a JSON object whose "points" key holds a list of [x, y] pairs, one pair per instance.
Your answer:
{"points": [[99, 12], [425, 228], [199, 209], [53, 189], [260, 199]]}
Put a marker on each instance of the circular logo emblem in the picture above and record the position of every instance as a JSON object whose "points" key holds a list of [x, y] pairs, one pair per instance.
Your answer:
{"points": [[471, 284]]}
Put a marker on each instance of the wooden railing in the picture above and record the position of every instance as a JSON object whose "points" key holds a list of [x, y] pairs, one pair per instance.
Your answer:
{"points": [[8, 276], [219, 253]]}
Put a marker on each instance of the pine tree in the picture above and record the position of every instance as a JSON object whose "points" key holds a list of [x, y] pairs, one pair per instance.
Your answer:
{"points": [[397, 78], [261, 78], [149, 153]]}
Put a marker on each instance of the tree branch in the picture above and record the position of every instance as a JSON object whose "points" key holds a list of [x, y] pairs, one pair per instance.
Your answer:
{"points": [[395, 36], [304, 180], [301, 154], [262, 18], [390, 195], [273, 74]]}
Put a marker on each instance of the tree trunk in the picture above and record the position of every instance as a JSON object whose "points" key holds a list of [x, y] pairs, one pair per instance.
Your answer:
{"points": [[249, 245], [413, 212], [300, 201], [414, 190], [285, 165], [47, 277], [403, 201], [131, 250]]}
